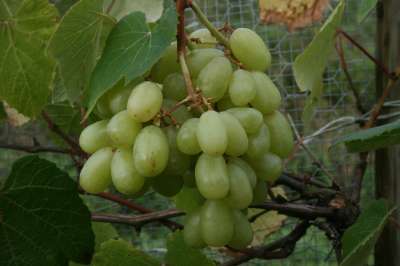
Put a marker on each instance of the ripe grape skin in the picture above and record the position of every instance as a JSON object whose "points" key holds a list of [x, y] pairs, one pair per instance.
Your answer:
{"points": [[259, 142], [95, 137], [174, 87], [237, 138], [192, 230], [145, 101], [118, 101], [151, 151], [213, 79], [243, 233], [240, 192], [211, 133], [282, 142], [216, 222], [250, 49], [205, 38], [123, 129], [125, 177], [167, 185], [242, 88], [251, 175], [250, 118], [186, 138], [167, 64], [95, 176], [199, 58], [268, 98], [211, 176], [268, 167], [260, 192]]}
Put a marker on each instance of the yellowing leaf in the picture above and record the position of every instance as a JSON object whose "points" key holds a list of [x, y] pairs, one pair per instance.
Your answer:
{"points": [[265, 225]]}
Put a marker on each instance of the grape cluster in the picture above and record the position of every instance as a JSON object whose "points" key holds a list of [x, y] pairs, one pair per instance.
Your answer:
{"points": [[226, 154]]}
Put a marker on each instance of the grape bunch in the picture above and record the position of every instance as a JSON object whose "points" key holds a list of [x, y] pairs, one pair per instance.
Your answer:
{"points": [[225, 156]]}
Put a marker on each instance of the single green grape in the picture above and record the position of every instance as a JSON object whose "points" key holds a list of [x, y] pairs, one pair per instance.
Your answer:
{"points": [[95, 176], [95, 137], [198, 58], [186, 138], [248, 47], [242, 89], [167, 64], [268, 98], [181, 114], [103, 109], [240, 191], [167, 185], [188, 199], [268, 166], [174, 87], [211, 133], [192, 230], [225, 103], [243, 233], [151, 151], [202, 38], [119, 100], [259, 142], [260, 192], [282, 142], [250, 118], [145, 101], [216, 223], [213, 79], [251, 175], [189, 179], [125, 177], [237, 138], [123, 129], [212, 176]]}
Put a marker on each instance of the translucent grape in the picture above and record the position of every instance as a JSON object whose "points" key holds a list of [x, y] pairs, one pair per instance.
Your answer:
{"points": [[250, 49], [259, 142], [125, 177], [145, 101], [95, 137], [151, 151], [282, 142], [95, 176], [199, 58], [204, 39], [268, 98], [243, 233], [192, 230], [251, 175], [119, 100], [212, 176], [268, 166], [216, 222], [167, 64], [174, 87], [237, 138], [211, 133], [186, 138], [240, 191], [123, 129], [242, 88], [250, 118], [167, 185]]}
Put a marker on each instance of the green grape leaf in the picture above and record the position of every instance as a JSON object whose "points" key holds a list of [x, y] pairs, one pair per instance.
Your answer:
{"points": [[78, 42], [121, 253], [180, 254], [65, 116], [188, 199], [151, 8], [365, 8], [372, 139], [26, 71], [309, 66], [43, 221], [359, 239], [311, 102], [63, 5], [132, 48]]}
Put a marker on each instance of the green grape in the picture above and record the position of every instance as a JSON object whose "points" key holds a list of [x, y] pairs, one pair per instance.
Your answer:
{"points": [[251, 175], [188, 199], [199, 58], [192, 231], [213, 79], [186, 138], [174, 87], [216, 223], [259, 142], [180, 115], [211, 134], [242, 88], [268, 98], [250, 49], [225, 103], [240, 192], [268, 166], [178, 162], [260, 192], [95, 137], [118, 100], [95, 176], [143, 190], [145, 101], [282, 142], [123, 129], [167, 64], [125, 177], [102, 109], [250, 118], [167, 185], [204, 39], [151, 151], [237, 138], [212, 176], [243, 233], [189, 179]]}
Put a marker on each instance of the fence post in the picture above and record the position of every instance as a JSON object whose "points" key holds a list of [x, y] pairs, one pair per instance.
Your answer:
{"points": [[387, 167]]}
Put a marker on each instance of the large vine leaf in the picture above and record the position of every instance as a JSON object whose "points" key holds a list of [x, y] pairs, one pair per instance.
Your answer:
{"points": [[43, 220], [309, 66], [180, 254], [26, 72], [121, 253], [132, 48], [359, 240], [151, 8], [78, 43], [373, 138], [365, 8]]}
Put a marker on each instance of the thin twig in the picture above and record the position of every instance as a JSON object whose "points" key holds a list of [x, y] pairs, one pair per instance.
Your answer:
{"points": [[303, 211], [34, 149], [109, 8]]}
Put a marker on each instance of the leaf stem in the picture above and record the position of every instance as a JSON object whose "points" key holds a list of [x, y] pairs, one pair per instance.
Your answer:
{"points": [[34, 149]]}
